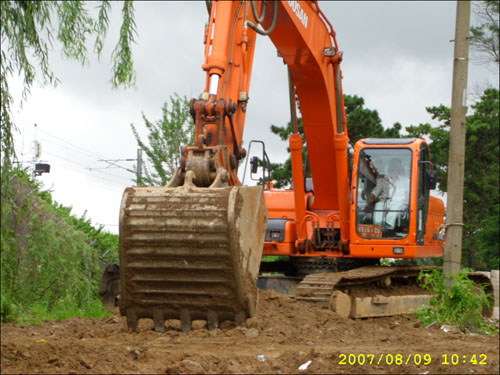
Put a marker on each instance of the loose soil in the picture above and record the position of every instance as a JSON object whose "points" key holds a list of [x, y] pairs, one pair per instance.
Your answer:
{"points": [[283, 335]]}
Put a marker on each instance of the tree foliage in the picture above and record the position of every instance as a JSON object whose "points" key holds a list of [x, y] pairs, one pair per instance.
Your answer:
{"points": [[165, 137], [362, 123], [366, 123], [484, 40], [28, 32], [481, 178], [51, 260]]}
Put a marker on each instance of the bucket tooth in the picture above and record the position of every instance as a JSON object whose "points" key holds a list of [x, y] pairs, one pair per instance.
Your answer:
{"points": [[159, 320], [185, 318], [132, 322], [240, 318], [212, 320]]}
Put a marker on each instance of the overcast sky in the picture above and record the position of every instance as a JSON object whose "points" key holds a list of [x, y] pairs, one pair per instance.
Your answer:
{"points": [[397, 56]]}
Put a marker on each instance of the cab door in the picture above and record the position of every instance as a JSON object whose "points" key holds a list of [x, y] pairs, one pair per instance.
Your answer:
{"points": [[423, 192]]}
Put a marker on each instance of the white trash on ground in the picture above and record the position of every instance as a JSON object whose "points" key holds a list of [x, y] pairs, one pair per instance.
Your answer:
{"points": [[304, 366]]}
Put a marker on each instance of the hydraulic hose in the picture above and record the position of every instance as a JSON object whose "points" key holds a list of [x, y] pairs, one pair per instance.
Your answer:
{"points": [[258, 18], [208, 3], [261, 18]]}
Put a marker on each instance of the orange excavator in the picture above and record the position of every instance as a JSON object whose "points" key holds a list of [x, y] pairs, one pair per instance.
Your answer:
{"points": [[192, 249]]}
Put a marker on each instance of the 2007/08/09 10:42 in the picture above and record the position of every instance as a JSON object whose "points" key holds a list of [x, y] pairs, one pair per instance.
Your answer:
{"points": [[417, 359]]}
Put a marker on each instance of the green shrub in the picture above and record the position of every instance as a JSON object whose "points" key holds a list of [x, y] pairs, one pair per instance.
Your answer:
{"points": [[8, 309], [51, 261], [274, 258], [461, 305]]}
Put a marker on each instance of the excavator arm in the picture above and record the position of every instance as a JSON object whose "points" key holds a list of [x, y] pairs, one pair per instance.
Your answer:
{"points": [[306, 41]]}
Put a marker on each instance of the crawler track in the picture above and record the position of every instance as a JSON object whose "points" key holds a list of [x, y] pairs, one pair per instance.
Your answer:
{"points": [[366, 281]]}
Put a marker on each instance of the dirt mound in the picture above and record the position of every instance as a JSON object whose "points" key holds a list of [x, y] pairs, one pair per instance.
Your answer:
{"points": [[283, 335]]}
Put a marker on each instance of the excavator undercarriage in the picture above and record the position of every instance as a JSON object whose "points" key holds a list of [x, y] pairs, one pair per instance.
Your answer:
{"points": [[368, 291], [355, 288]]}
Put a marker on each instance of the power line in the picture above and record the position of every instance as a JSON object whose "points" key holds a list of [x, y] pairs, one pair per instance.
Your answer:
{"points": [[76, 148], [81, 149], [84, 167], [66, 147], [105, 187], [113, 163], [65, 143], [114, 181]]}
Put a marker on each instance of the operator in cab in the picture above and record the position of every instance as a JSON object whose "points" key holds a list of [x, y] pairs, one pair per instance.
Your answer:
{"points": [[391, 195]]}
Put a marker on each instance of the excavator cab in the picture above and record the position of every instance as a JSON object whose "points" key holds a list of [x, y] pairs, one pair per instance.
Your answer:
{"points": [[392, 213]]}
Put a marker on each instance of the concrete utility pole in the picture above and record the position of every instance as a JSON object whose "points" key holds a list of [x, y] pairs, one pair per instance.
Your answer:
{"points": [[139, 166], [456, 158]]}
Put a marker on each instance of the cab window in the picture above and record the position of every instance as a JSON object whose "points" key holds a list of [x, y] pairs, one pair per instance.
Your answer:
{"points": [[383, 197]]}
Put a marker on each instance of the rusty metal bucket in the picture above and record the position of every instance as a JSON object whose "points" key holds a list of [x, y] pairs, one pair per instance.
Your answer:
{"points": [[190, 253]]}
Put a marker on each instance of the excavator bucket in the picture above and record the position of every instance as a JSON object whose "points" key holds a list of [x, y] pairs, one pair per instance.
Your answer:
{"points": [[190, 253]]}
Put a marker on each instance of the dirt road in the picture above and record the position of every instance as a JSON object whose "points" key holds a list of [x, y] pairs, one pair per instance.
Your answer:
{"points": [[284, 335]]}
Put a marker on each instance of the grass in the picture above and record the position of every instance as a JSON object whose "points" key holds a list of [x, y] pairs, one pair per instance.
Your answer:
{"points": [[460, 305]]}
